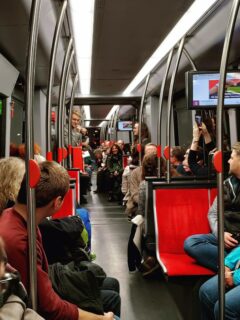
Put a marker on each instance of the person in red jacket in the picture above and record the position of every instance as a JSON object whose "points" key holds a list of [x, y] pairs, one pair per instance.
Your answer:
{"points": [[50, 192]]}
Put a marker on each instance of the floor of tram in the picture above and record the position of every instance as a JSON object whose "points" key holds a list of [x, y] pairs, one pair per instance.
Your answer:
{"points": [[141, 298]]}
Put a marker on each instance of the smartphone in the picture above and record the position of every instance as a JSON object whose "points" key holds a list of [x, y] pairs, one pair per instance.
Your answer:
{"points": [[198, 120]]}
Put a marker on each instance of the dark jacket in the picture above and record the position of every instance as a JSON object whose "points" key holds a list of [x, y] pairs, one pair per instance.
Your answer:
{"points": [[232, 204]]}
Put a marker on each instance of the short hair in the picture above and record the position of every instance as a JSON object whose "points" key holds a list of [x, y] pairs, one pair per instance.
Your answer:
{"points": [[53, 183], [178, 152], [12, 170], [236, 148], [22, 150]]}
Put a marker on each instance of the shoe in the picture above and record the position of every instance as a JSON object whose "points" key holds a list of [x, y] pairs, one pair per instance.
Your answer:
{"points": [[149, 266]]}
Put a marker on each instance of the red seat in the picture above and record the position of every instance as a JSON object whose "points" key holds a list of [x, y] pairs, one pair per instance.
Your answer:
{"points": [[180, 213], [68, 207]]}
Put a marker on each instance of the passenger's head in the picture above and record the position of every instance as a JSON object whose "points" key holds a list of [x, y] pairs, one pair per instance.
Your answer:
{"points": [[177, 155], [149, 165], [144, 130], [11, 174], [22, 150], [53, 184], [150, 148], [234, 161], [75, 118], [115, 149], [120, 143], [98, 154]]}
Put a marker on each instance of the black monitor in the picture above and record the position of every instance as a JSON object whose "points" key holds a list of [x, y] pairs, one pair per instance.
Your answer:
{"points": [[202, 89], [124, 125]]}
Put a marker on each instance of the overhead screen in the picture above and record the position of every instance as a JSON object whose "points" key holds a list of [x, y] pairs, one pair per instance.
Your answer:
{"points": [[202, 89], [124, 125]]}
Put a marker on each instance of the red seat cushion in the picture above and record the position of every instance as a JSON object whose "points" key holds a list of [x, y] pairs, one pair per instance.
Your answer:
{"points": [[182, 265]]}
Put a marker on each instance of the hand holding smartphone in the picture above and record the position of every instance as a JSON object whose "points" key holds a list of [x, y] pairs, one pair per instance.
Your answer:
{"points": [[198, 120]]}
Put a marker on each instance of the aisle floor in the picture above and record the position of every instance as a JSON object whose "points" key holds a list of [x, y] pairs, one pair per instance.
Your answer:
{"points": [[142, 299]]}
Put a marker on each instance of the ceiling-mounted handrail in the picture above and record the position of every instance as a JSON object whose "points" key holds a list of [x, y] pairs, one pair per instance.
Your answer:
{"points": [[60, 98], [75, 82], [29, 134], [64, 95], [186, 53], [55, 42], [169, 105], [161, 95], [140, 118], [219, 131]]}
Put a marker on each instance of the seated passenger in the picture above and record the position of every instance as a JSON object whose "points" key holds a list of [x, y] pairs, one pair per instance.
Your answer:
{"points": [[149, 169], [12, 170], [135, 180], [204, 247], [208, 293], [50, 191], [176, 156], [114, 172], [133, 164]]}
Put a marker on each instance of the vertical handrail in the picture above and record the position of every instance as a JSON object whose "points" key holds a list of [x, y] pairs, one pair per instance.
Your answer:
{"points": [[51, 74], [140, 118], [75, 82], [60, 98], [223, 67], [186, 53], [64, 95], [30, 78], [161, 95], [169, 105]]}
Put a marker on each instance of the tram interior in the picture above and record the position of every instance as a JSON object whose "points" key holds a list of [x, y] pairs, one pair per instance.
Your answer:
{"points": [[125, 35]]}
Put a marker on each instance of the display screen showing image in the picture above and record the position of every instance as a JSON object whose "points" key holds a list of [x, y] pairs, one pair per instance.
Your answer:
{"points": [[203, 89], [124, 125]]}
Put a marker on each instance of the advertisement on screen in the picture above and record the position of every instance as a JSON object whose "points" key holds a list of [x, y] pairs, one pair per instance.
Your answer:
{"points": [[203, 89], [124, 125]]}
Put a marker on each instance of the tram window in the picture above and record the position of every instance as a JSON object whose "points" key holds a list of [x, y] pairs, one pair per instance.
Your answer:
{"points": [[202, 89]]}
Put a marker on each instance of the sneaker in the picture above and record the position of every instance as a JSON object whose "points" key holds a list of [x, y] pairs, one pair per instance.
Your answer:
{"points": [[149, 266]]}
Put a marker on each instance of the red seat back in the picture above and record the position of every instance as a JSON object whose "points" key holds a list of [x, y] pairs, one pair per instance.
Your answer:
{"points": [[68, 207], [180, 213]]}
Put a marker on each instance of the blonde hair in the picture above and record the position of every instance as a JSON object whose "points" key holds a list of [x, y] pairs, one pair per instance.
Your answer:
{"points": [[12, 170], [236, 148]]}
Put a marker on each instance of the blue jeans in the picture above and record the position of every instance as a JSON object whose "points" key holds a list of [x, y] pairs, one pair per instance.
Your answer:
{"points": [[110, 296], [208, 295], [204, 249]]}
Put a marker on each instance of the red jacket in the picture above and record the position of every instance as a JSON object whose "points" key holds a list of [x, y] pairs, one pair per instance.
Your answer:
{"points": [[13, 230]]}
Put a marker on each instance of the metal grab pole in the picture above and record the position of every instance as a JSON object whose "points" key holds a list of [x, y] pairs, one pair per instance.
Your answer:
{"points": [[140, 118], [61, 89], [225, 54], [51, 74], [30, 78], [75, 81], [64, 95], [161, 95], [186, 53], [170, 98]]}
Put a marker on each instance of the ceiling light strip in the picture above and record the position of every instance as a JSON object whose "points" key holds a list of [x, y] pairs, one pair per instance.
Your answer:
{"points": [[197, 10]]}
